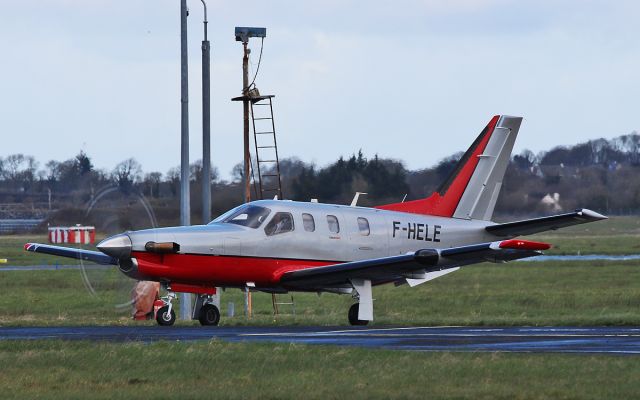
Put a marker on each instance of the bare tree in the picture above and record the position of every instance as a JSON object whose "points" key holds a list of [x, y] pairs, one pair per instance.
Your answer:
{"points": [[127, 173], [152, 181]]}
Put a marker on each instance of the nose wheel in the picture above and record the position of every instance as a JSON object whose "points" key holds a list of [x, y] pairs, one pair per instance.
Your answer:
{"points": [[165, 316], [353, 316]]}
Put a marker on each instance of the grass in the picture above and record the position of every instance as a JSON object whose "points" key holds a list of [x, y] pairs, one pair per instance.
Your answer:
{"points": [[56, 369], [520, 293], [617, 235]]}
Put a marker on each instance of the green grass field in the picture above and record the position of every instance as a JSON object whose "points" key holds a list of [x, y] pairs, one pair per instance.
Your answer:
{"points": [[520, 293], [69, 370]]}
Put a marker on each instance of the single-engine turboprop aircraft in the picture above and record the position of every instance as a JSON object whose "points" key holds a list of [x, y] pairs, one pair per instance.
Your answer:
{"points": [[279, 246]]}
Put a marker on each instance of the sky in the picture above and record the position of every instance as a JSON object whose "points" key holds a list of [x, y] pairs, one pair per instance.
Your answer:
{"points": [[413, 80]]}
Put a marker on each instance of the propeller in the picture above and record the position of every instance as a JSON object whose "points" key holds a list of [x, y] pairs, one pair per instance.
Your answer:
{"points": [[113, 211]]}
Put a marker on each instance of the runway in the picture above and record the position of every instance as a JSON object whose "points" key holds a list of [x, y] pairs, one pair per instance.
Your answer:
{"points": [[603, 340]]}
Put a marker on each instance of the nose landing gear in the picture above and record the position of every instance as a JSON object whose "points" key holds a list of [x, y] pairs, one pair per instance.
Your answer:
{"points": [[165, 316]]}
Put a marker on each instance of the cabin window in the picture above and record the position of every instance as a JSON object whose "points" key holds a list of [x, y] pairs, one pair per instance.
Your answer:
{"points": [[248, 215], [280, 223], [308, 222], [334, 225], [363, 226]]}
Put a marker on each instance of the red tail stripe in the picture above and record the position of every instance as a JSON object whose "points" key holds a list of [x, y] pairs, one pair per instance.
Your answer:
{"points": [[445, 204]]}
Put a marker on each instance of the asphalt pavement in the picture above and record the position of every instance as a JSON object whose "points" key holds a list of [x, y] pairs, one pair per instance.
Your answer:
{"points": [[603, 340]]}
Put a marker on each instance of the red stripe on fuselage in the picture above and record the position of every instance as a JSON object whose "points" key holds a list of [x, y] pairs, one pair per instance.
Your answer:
{"points": [[219, 270]]}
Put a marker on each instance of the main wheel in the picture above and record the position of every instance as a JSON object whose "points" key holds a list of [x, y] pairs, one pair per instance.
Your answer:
{"points": [[165, 318], [209, 315], [353, 316]]}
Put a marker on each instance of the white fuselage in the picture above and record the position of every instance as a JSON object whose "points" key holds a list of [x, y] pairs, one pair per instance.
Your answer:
{"points": [[389, 233]]}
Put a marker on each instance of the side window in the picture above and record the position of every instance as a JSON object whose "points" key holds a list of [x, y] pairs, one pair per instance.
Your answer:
{"points": [[363, 226], [280, 223], [308, 222], [334, 226]]}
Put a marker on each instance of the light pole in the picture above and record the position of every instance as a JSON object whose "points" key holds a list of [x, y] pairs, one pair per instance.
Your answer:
{"points": [[185, 209], [206, 124]]}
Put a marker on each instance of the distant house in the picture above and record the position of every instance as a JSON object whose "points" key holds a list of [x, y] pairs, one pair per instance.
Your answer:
{"points": [[552, 202]]}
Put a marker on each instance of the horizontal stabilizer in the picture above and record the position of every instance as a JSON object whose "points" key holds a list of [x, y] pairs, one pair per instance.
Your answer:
{"points": [[531, 226], [78, 254]]}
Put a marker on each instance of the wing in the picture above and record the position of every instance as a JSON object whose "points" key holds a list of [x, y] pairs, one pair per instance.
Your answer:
{"points": [[531, 226], [411, 267], [78, 254]]}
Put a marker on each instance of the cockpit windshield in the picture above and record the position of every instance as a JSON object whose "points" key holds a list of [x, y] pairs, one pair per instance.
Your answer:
{"points": [[251, 216]]}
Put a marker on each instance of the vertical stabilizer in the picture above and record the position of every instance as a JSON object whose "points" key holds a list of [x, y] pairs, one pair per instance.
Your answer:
{"points": [[472, 189]]}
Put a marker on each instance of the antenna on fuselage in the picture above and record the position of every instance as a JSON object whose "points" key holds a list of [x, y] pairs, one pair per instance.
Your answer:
{"points": [[354, 202]]}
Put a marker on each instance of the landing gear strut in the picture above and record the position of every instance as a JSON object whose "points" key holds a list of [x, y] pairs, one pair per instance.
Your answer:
{"points": [[353, 316], [165, 316], [361, 312]]}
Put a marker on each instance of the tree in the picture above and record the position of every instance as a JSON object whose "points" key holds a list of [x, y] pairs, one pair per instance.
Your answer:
{"points": [[152, 182], [525, 160], [126, 173], [173, 178], [83, 163]]}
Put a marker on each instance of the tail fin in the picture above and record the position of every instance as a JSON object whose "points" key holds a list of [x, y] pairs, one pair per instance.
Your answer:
{"points": [[472, 189]]}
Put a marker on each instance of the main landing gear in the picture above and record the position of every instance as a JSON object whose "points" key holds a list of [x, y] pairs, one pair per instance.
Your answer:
{"points": [[165, 316], [209, 315], [362, 312], [353, 316]]}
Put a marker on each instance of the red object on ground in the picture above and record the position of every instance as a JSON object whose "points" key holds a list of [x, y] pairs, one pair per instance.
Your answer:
{"points": [[144, 296], [72, 234]]}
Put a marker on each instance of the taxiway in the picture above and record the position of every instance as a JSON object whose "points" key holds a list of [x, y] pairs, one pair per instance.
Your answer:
{"points": [[609, 340]]}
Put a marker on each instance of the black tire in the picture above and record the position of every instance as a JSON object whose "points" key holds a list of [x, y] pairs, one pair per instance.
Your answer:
{"points": [[209, 315], [353, 316], [164, 318]]}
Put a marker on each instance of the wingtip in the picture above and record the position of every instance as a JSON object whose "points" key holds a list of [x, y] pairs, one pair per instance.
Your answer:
{"points": [[592, 214]]}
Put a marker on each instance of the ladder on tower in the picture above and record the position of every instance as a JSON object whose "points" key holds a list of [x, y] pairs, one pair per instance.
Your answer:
{"points": [[267, 166], [267, 163]]}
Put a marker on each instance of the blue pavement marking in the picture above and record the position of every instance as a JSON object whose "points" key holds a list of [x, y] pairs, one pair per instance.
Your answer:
{"points": [[602, 340]]}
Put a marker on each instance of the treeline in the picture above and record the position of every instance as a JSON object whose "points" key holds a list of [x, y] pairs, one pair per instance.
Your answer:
{"points": [[599, 174]]}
